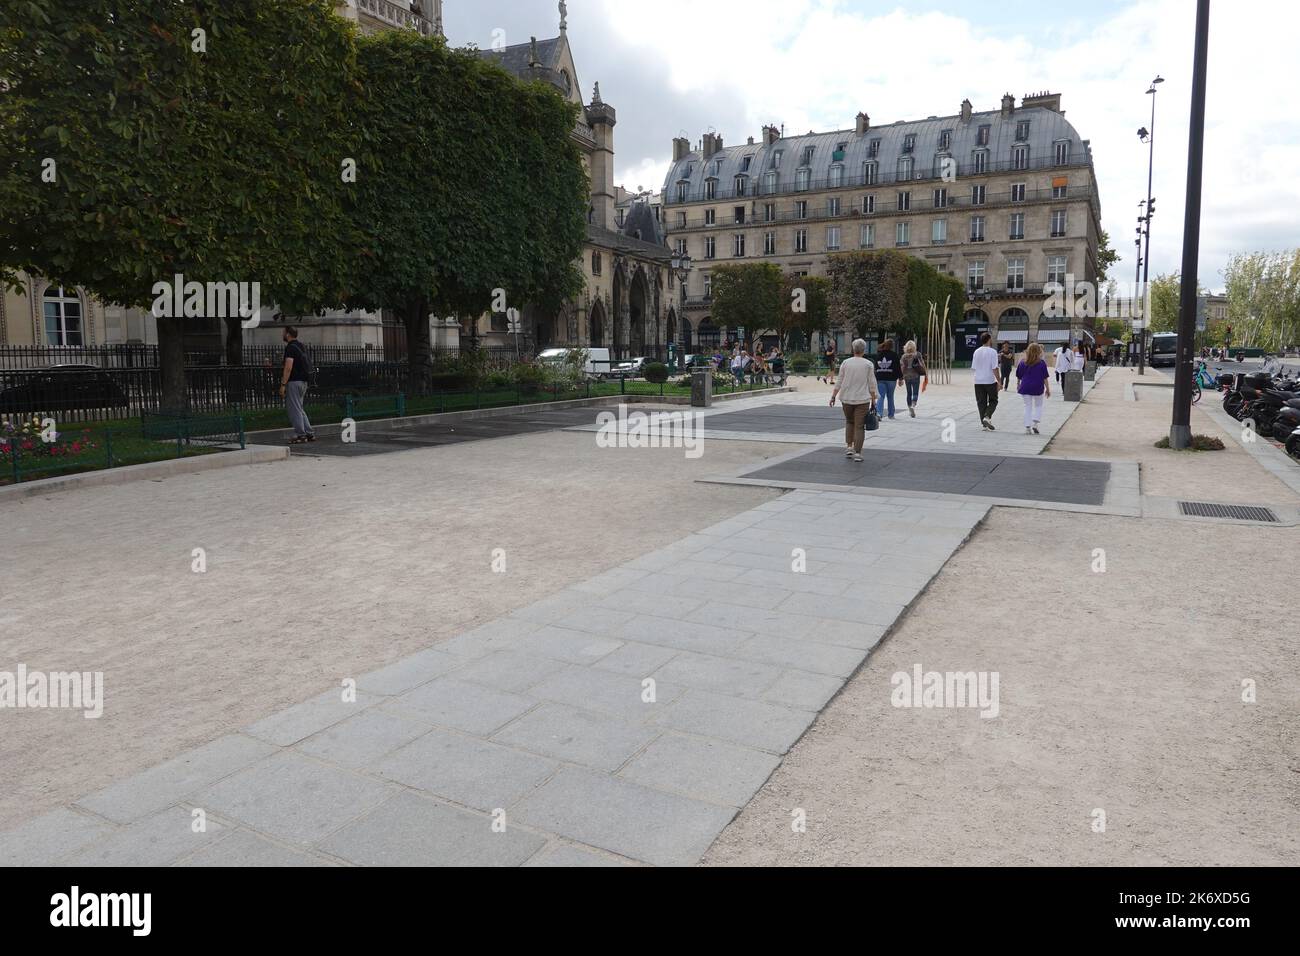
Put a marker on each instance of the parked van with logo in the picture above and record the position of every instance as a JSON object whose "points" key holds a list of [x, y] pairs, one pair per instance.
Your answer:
{"points": [[596, 364]]}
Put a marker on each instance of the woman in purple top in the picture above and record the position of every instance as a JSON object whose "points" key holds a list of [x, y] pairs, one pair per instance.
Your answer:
{"points": [[1032, 375]]}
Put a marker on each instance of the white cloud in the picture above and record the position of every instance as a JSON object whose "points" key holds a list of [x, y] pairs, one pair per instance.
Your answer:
{"points": [[812, 64]]}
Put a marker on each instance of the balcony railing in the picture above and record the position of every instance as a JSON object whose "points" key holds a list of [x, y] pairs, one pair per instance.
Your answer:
{"points": [[916, 203], [756, 185], [396, 15]]}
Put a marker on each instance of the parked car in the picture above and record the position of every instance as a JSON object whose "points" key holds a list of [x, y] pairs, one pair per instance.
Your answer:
{"points": [[633, 369], [60, 388], [597, 364]]}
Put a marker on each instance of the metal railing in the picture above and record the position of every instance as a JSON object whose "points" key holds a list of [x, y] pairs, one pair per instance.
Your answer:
{"points": [[18, 357], [917, 203], [789, 185]]}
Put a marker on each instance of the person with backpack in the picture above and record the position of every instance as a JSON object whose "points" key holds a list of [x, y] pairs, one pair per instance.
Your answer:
{"points": [[293, 386], [1032, 383], [887, 375], [913, 370]]}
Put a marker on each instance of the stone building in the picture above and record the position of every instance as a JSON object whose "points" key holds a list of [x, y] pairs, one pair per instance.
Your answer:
{"points": [[1005, 200], [627, 303]]}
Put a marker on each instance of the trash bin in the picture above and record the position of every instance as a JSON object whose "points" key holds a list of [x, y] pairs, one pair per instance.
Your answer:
{"points": [[1090, 371], [701, 387], [1072, 387]]}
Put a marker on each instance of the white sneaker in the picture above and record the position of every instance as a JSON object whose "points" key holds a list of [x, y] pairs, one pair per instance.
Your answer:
{"points": [[1028, 430], [857, 457], [848, 453]]}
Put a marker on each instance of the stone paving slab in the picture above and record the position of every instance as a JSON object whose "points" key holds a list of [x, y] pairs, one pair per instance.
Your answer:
{"points": [[622, 720]]}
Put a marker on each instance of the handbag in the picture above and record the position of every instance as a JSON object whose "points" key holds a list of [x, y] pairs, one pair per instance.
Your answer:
{"points": [[873, 420]]}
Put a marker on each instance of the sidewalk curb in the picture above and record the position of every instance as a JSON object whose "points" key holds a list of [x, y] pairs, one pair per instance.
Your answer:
{"points": [[151, 470]]}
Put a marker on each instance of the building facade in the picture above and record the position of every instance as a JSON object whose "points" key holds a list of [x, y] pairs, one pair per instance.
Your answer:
{"points": [[626, 304], [1004, 200]]}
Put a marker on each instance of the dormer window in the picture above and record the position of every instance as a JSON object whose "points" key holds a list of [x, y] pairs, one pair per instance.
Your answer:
{"points": [[1062, 152], [717, 167], [1022, 131], [690, 171], [808, 155], [744, 164], [1020, 157], [874, 149], [870, 173], [909, 142], [837, 175], [982, 136], [742, 183], [905, 166], [945, 139], [803, 178], [776, 159], [769, 181], [840, 149], [710, 188]]}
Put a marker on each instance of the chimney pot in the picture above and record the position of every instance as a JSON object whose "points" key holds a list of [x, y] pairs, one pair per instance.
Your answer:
{"points": [[864, 123]]}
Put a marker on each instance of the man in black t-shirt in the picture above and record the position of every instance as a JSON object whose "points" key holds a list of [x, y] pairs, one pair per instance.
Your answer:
{"points": [[293, 386]]}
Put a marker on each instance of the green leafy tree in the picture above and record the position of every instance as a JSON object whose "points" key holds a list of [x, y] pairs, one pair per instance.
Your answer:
{"points": [[1165, 291], [750, 295], [1264, 298], [813, 293], [1106, 256], [468, 182], [888, 291], [199, 137]]}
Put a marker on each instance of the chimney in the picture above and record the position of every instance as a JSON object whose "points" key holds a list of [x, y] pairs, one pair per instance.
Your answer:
{"points": [[770, 135], [712, 143], [1008, 104], [751, 141], [965, 111], [1046, 100], [864, 123], [681, 148]]}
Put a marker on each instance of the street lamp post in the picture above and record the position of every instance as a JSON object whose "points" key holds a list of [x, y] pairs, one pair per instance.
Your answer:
{"points": [[1149, 137], [681, 266], [1137, 284], [1180, 428]]}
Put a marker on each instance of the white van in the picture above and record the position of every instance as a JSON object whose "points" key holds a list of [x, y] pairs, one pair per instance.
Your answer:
{"points": [[597, 364]]}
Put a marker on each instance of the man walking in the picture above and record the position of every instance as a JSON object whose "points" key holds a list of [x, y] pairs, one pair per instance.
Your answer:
{"points": [[857, 385], [293, 386], [984, 365]]}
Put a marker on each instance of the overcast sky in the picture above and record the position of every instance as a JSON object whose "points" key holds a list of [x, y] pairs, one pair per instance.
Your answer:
{"points": [[675, 68]]}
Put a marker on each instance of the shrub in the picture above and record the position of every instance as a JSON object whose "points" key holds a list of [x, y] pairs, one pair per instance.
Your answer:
{"points": [[656, 373], [529, 377], [449, 381], [1199, 443], [801, 362]]}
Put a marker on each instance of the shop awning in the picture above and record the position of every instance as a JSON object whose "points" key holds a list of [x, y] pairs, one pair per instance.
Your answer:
{"points": [[1013, 335], [1054, 335]]}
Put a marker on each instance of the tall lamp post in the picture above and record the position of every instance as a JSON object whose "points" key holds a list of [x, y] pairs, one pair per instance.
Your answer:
{"points": [[1180, 428], [1148, 136], [681, 266], [1137, 284]]}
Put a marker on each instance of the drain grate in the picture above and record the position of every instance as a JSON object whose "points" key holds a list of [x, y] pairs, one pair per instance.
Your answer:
{"points": [[1203, 509]]}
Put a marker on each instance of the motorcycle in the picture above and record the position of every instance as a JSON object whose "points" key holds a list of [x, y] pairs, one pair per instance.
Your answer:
{"points": [[1293, 445]]}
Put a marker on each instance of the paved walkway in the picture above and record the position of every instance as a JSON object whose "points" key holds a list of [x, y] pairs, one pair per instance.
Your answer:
{"points": [[622, 720]]}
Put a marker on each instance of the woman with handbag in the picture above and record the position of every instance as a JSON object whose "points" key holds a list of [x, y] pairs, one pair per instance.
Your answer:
{"points": [[913, 368], [858, 386]]}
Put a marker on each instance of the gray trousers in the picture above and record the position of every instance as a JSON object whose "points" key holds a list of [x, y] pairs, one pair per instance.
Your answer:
{"points": [[294, 394]]}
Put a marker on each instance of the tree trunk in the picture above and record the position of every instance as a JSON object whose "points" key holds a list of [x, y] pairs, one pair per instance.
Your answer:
{"points": [[234, 371], [419, 346], [174, 398], [234, 341]]}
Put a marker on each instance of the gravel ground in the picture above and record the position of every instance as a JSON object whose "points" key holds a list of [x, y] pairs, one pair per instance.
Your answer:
{"points": [[1119, 691], [317, 569]]}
